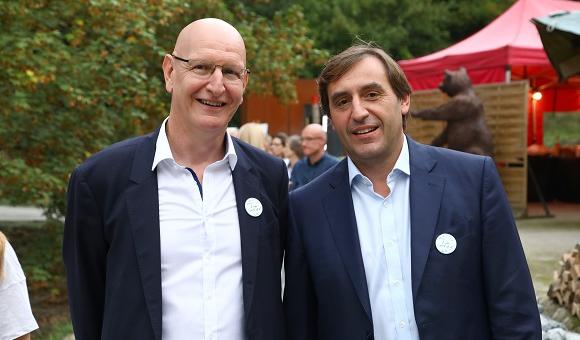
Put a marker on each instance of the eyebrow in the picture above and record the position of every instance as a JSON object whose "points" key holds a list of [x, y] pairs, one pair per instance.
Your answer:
{"points": [[371, 86]]}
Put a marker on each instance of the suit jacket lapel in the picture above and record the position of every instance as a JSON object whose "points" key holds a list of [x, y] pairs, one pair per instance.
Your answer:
{"points": [[426, 190], [247, 185], [339, 211], [143, 209]]}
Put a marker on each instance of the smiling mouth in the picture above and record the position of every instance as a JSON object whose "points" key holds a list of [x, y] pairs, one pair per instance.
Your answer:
{"points": [[365, 131], [211, 103]]}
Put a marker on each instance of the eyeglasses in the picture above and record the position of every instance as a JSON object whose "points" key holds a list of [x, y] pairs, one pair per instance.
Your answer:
{"points": [[204, 69], [310, 139]]}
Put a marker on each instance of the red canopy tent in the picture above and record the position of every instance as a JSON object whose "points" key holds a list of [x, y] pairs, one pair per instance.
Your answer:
{"points": [[509, 48]]}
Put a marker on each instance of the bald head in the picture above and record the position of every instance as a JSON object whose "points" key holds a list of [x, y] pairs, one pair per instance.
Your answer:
{"points": [[212, 31], [313, 141], [314, 130]]}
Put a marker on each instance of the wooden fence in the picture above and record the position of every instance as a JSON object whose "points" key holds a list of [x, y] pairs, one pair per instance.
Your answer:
{"points": [[506, 107]]}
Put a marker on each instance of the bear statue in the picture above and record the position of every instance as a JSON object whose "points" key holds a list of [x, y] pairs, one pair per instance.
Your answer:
{"points": [[466, 129]]}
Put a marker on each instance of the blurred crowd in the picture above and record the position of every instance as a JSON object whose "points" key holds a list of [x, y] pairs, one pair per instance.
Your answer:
{"points": [[306, 152]]}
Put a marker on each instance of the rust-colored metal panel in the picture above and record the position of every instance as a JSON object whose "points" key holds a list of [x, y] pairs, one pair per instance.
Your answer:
{"points": [[287, 118]]}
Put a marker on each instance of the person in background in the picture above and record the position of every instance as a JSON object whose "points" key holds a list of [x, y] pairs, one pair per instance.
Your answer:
{"points": [[400, 240], [179, 234], [293, 152], [278, 145], [316, 161], [253, 134], [16, 319]]}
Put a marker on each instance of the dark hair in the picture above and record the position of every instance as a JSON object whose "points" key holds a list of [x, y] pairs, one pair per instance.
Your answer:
{"points": [[341, 63], [295, 144], [282, 137]]}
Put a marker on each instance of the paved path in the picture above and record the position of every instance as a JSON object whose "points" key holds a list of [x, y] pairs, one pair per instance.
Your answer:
{"points": [[8, 213]]}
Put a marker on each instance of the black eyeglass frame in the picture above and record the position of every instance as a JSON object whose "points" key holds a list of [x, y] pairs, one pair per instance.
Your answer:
{"points": [[243, 72]]}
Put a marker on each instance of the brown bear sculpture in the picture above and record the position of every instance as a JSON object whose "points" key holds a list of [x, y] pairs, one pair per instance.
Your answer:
{"points": [[466, 129]]}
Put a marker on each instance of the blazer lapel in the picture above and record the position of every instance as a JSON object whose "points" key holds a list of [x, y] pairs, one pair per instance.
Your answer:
{"points": [[339, 211], [426, 191], [143, 209], [247, 185]]}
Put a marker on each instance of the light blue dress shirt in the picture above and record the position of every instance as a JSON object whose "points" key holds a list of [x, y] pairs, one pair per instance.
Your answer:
{"points": [[384, 231]]}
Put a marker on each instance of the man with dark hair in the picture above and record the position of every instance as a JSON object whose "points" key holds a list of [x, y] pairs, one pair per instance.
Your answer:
{"points": [[179, 234], [400, 240]]}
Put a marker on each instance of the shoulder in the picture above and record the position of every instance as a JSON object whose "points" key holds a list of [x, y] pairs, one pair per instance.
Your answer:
{"points": [[255, 155], [319, 185], [330, 159], [12, 270], [115, 159], [423, 152], [455, 165], [118, 152]]}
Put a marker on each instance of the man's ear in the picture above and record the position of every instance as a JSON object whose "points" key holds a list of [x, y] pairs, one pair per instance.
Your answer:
{"points": [[168, 73], [405, 104]]}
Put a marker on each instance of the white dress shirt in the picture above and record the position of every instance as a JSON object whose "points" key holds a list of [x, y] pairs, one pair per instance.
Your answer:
{"points": [[201, 259], [384, 230]]}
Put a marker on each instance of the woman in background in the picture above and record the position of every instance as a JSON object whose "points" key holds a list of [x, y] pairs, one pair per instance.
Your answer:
{"points": [[16, 319], [254, 134]]}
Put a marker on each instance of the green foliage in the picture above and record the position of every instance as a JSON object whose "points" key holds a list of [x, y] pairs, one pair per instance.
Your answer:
{"points": [[404, 28], [38, 250], [78, 75]]}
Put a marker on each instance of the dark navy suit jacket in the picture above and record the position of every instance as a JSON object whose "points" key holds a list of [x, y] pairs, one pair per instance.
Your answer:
{"points": [[482, 290], [112, 252]]}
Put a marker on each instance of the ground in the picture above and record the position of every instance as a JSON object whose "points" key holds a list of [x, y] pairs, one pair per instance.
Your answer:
{"points": [[545, 239]]}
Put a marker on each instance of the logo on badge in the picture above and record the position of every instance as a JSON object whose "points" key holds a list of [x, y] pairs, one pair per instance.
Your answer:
{"points": [[253, 207], [446, 243]]}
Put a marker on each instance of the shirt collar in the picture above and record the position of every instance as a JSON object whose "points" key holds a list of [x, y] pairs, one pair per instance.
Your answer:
{"points": [[401, 165], [163, 150]]}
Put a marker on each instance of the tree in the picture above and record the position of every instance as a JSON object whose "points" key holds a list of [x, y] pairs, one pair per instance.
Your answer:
{"points": [[404, 28], [78, 75]]}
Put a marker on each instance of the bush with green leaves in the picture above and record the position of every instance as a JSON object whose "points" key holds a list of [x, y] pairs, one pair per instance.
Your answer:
{"points": [[76, 76]]}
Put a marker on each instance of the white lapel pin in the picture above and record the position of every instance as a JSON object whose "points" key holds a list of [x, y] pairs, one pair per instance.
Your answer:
{"points": [[446, 243], [253, 207]]}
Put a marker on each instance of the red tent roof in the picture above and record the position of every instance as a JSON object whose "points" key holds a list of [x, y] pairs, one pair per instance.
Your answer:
{"points": [[511, 41]]}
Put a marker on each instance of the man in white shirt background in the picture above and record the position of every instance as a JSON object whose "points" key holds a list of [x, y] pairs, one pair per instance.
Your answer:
{"points": [[179, 234]]}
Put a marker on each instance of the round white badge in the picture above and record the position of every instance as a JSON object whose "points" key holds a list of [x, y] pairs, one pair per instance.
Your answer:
{"points": [[446, 243], [253, 207]]}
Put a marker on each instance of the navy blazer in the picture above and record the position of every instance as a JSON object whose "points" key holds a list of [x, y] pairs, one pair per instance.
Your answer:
{"points": [[482, 290], [111, 242]]}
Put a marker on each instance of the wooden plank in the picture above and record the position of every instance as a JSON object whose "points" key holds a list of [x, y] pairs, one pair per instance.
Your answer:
{"points": [[506, 115]]}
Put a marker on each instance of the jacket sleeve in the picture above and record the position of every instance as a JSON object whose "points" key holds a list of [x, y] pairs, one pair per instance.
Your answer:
{"points": [[512, 308], [84, 253]]}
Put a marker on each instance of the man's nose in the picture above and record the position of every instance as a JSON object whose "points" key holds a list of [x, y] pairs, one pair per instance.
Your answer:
{"points": [[359, 112], [216, 81]]}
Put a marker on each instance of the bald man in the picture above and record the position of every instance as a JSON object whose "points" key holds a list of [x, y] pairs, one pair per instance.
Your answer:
{"points": [[178, 234], [316, 161]]}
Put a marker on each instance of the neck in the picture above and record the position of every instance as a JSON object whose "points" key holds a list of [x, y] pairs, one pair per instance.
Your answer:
{"points": [[315, 157], [194, 149], [377, 171]]}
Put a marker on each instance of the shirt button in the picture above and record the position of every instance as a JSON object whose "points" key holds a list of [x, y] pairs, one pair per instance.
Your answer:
{"points": [[396, 282], [402, 324]]}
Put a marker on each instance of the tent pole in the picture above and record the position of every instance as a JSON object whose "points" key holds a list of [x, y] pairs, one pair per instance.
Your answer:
{"points": [[508, 74]]}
